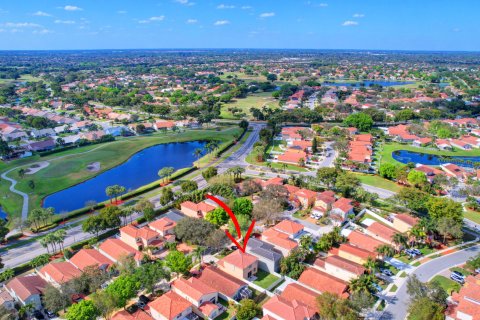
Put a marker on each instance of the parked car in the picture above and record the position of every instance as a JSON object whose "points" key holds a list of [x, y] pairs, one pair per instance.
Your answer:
{"points": [[386, 272], [458, 274], [416, 251], [377, 287], [50, 314], [457, 278], [38, 315]]}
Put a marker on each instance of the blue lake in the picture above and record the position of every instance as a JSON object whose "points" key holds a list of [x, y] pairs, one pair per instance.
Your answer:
{"points": [[367, 83], [404, 156], [140, 169]]}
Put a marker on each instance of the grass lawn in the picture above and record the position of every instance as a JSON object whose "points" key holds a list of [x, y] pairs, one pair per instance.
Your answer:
{"points": [[368, 216], [264, 279], [228, 314], [377, 181], [276, 165], [256, 100], [447, 284], [393, 288], [72, 168], [472, 215], [25, 77], [461, 270], [385, 153]]}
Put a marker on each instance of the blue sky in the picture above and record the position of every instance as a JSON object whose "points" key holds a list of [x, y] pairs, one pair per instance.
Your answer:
{"points": [[319, 24]]}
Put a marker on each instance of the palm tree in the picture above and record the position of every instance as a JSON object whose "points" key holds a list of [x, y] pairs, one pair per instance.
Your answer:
{"points": [[400, 239], [197, 153], [237, 172], [370, 265], [362, 284], [284, 167], [198, 255], [385, 251], [44, 243], [306, 242], [60, 236]]}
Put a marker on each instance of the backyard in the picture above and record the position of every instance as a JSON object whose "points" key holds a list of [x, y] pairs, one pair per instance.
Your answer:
{"points": [[265, 279]]}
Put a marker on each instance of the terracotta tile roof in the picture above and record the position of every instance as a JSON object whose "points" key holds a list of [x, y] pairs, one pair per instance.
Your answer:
{"points": [[381, 231], [117, 249], [221, 281], [202, 206], [363, 241], [292, 156], [89, 257], [267, 317], [26, 286], [467, 300], [408, 219], [354, 250], [279, 239], [163, 224], [239, 259], [170, 305], [295, 291], [273, 181], [207, 308], [343, 204], [60, 272], [286, 309], [323, 282], [289, 227], [341, 263], [291, 189], [144, 233], [137, 315], [306, 194], [193, 287]]}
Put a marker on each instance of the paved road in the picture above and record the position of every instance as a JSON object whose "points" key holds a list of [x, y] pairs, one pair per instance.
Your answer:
{"points": [[382, 193], [397, 307]]}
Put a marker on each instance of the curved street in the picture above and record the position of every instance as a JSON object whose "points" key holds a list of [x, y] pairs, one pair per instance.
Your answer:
{"points": [[397, 306]]}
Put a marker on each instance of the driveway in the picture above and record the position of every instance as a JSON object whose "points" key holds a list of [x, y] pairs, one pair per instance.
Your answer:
{"points": [[398, 303]]}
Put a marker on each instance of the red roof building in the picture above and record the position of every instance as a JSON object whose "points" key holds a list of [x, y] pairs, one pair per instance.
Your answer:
{"points": [[90, 258]]}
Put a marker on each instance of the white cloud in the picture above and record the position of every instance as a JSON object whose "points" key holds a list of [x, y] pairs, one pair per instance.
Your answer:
{"points": [[221, 22], [72, 8], [121, 12], [323, 5], [225, 6], [315, 4], [156, 18], [350, 23], [21, 25], [64, 22], [185, 2], [43, 31], [358, 15], [42, 14], [192, 21], [267, 14], [246, 7]]}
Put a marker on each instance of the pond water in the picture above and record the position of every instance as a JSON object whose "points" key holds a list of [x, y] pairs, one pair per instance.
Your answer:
{"points": [[404, 156], [140, 169], [366, 83]]}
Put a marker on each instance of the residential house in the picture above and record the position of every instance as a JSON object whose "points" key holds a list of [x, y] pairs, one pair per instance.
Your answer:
{"points": [[47, 132], [380, 232], [454, 171], [352, 253], [239, 264], [203, 297], [92, 135], [141, 238], [44, 145], [58, 273], [323, 203], [340, 267], [295, 291], [443, 144], [27, 290], [465, 305], [227, 286], [323, 282], [164, 226], [293, 156], [280, 240], [280, 308], [268, 257], [404, 222], [170, 306], [90, 258], [430, 172], [461, 144], [137, 315], [364, 241], [305, 197], [163, 125], [341, 208], [196, 210], [116, 250], [6, 300], [291, 228]]}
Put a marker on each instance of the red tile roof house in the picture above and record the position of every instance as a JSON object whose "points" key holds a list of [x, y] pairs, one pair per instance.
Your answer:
{"points": [[342, 208], [474, 141], [292, 156], [430, 172], [352, 253], [295, 291], [27, 289], [280, 240], [305, 197], [163, 124], [227, 286], [291, 228], [116, 250], [323, 202], [461, 144], [164, 226], [90, 258], [452, 170], [421, 142], [277, 181], [283, 309], [443, 144], [137, 315], [200, 295], [194, 210], [363, 241], [340, 267], [323, 282], [381, 232], [58, 273], [170, 306], [141, 238], [239, 264], [404, 222], [466, 303]]}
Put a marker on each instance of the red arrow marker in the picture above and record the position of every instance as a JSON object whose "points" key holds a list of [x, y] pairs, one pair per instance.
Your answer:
{"points": [[235, 223]]}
